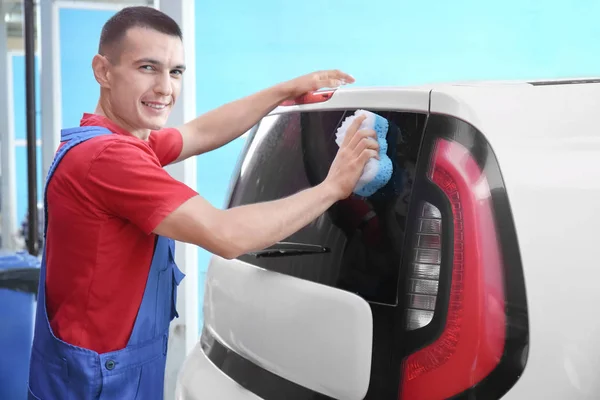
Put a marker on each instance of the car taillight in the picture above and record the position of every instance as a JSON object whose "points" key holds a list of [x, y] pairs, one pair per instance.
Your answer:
{"points": [[424, 272], [472, 340]]}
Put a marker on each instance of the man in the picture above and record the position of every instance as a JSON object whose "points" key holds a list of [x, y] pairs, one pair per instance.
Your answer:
{"points": [[108, 280]]}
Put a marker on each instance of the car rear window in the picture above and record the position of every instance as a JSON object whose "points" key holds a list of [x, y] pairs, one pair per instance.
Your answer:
{"points": [[293, 151]]}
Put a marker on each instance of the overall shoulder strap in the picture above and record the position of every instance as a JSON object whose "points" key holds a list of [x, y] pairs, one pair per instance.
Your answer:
{"points": [[82, 132], [69, 138], [43, 336]]}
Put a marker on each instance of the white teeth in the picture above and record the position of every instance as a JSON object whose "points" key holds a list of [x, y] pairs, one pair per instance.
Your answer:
{"points": [[156, 106]]}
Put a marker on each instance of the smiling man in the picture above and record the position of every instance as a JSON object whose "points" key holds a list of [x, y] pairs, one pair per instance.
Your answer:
{"points": [[108, 279]]}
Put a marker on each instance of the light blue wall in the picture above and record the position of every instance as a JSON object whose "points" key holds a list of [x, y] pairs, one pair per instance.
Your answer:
{"points": [[245, 46], [20, 120], [19, 97], [79, 35]]}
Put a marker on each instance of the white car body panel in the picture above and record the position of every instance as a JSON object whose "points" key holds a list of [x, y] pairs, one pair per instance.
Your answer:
{"points": [[199, 379], [280, 323], [547, 143]]}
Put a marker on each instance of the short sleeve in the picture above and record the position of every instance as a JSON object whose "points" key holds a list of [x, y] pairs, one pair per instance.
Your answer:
{"points": [[127, 181], [167, 144]]}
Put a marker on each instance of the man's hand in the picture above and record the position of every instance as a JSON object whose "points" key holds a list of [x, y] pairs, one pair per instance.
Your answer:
{"points": [[358, 147], [315, 81], [238, 230]]}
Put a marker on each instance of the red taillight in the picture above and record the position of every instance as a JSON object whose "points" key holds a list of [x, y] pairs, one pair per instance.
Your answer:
{"points": [[472, 342], [310, 98]]}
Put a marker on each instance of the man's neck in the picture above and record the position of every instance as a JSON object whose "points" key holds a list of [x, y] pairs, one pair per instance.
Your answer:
{"points": [[142, 134]]}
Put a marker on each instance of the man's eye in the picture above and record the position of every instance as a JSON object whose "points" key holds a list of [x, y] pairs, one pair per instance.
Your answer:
{"points": [[177, 72], [147, 67]]}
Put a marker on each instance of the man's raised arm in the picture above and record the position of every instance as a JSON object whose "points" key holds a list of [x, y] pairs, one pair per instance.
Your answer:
{"points": [[232, 232], [224, 124]]}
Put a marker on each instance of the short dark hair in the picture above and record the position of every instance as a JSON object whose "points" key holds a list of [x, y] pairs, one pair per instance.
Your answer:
{"points": [[136, 17]]}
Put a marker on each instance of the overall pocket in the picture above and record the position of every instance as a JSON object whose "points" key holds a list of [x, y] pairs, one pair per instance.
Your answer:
{"points": [[48, 378], [30, 395], [177, 277], [152, 376], [122, 386]]}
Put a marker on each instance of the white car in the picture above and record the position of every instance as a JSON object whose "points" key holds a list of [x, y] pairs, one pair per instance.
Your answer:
{"points": [[471, 275]]}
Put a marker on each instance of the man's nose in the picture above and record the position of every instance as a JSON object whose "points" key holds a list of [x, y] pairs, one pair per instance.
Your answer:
{"points": [[164, 85]]}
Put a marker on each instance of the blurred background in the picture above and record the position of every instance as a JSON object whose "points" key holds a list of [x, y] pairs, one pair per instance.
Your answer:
{"points": [[239, 47]]}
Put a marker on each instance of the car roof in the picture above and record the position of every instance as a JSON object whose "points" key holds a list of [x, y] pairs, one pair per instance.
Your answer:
{"points": [[480, 103]]}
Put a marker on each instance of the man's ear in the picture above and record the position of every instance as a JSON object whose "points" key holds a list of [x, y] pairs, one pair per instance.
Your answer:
{"points": [[100, 65]]}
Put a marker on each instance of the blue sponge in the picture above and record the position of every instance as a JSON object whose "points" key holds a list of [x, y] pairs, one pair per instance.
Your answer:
{"points": [[376, 173]]}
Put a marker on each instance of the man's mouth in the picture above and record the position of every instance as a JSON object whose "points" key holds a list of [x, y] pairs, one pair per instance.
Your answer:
{"points": [[155, 105]]}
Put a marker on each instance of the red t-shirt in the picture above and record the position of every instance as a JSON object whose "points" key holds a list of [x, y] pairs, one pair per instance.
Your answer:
{"points": [[104, 200]]}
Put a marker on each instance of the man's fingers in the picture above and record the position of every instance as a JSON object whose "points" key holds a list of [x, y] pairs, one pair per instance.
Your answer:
{"points": [[340, 75], [352, 129], [361, 134], [335, 78], [365, 144], [366, 155], [336, 82]]}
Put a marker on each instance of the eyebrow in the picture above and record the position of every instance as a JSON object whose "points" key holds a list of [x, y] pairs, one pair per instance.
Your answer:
{"points": [[158, 63]]}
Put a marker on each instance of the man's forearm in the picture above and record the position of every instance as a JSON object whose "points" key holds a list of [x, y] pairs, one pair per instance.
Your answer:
{"points": [[226, 123], [238, 230], [232, 232], [256, 226]]}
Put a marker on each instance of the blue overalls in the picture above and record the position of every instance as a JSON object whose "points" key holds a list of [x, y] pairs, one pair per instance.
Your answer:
{"points": [[60, 371]]}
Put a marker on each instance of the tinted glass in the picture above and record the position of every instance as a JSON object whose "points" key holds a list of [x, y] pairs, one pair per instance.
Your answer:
{"points": [[292, 152]]}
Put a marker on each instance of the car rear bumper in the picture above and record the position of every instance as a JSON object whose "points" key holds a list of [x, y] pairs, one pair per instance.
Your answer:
{"points": [[200, 379]]}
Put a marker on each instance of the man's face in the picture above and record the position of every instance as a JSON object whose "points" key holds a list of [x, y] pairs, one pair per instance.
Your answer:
{"points": [[146, 79]]}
